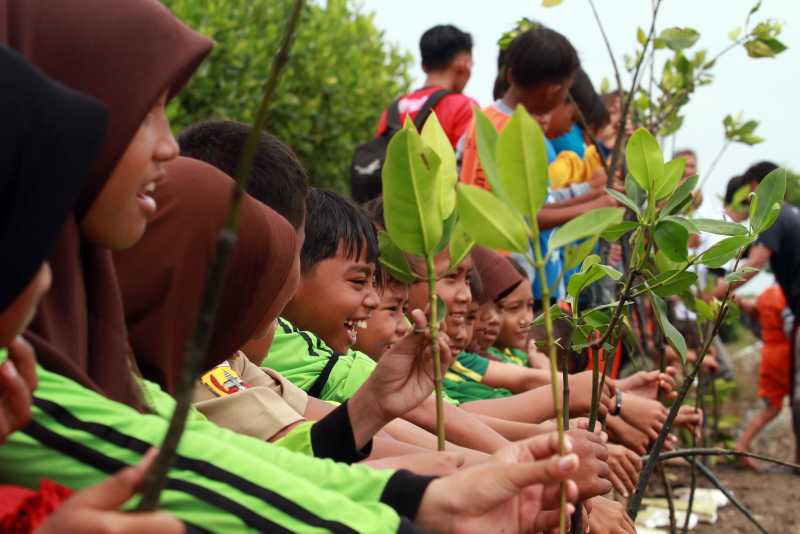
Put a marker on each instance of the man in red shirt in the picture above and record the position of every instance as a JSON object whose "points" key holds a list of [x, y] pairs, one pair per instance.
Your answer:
{"points": [[447, 61]]}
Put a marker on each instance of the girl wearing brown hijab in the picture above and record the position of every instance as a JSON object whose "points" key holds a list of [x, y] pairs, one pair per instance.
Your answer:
{"points": [[36, 196]]}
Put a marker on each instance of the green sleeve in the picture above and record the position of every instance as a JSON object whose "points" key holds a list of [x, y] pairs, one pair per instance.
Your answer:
{"points": [[473, 362], [221, 482], [298, 439], [301, 357]]}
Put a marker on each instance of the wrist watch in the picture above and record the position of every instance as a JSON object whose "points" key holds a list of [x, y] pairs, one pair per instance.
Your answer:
{"points": [[618, 405]]}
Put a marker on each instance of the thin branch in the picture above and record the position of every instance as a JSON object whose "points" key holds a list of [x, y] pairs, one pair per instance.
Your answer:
{"points": [[683, 453], [714, 163], [156, 479], [636, 499], [625, 109], [706, 472], [613, 57]]}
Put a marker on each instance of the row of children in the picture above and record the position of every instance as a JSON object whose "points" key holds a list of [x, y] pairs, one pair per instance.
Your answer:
{"points": [[314, 412]]}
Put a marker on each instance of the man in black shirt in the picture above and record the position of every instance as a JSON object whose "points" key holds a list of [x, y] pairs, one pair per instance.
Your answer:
{"points": [[780, 246]]}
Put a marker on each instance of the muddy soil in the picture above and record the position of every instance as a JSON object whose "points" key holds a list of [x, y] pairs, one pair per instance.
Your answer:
{"points": [[774, 498]]}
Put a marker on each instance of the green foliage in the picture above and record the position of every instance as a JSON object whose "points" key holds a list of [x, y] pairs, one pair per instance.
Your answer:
{"points": [[645, 160], [679, 38], [521, 159], [672, 239], [342, 72], [738, 130], [412, 206], [591, 223], [767, 201], [489, 222], [591, 271], [724, 251], [713, 226], [434, 137], [393, 260], [673, 337]]}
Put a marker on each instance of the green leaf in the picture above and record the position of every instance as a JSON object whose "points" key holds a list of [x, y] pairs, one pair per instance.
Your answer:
{"points": [[393, 260], [489, 221], [722, 252], [551, 3], [679, 281], [673, 337], [673, 172], [770, 192], [412, 208], [460, 246], [713, 226], [641, 37], [757, 48], [681, 196], [679, 38], [591, 223], [633, 191], [734, 34], [434, 137], [645, 160], [704, 310], [447, 232], [625, 201], [616, 231], [486, 142], [672, 239], [683, 221], [522, 163], [590, 273], [574, 254]]}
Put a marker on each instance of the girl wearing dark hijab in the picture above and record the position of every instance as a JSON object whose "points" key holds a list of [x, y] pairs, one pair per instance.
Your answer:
{"points": [[36, 196]]}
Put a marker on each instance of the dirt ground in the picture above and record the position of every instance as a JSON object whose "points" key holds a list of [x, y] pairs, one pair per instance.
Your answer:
{"points": [[774, 498]]}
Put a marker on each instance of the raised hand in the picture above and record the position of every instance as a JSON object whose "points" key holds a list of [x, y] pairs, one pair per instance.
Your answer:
{"points": [[17, 382], [94, 509], [624, 466], [502, 495]]}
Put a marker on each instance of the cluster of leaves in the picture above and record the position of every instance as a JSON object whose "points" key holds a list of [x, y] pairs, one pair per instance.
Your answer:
{"points": [[658, 104], [329, 97], [737, 130]]}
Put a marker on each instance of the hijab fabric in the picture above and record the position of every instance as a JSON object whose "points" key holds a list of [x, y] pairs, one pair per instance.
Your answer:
{"points": [[163, 277], [49, 136], [125, 53], [498, 276]]}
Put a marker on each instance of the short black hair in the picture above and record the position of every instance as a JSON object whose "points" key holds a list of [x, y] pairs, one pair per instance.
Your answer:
{"points": [[758, 171], [439, 45], [538, 55], [734, 184], [277, 179], [374, 209], [334, 221]]}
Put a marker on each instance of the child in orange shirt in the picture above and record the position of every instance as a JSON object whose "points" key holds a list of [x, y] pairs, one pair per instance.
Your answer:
{"points": [[773, 373]]}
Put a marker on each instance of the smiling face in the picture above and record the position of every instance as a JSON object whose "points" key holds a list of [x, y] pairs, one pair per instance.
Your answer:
{"points": [[118, 216], [487, 326], [517, 316], [388, 324], [452, 287], [335, 299]]}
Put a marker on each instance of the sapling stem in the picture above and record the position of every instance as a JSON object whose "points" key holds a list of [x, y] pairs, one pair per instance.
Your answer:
{"points": [[156, 479], [433, 326], [706, 472], [538, 264], [636, 499], [683, 453]]}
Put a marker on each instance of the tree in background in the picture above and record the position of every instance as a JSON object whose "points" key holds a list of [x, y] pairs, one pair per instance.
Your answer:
{"points": [[341, 75]]}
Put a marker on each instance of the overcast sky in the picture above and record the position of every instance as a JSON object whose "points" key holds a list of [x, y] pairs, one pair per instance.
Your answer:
{"points": [[763, 89]]}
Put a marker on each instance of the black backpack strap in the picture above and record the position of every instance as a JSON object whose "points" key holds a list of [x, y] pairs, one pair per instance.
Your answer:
{"points": [[393, 117], [425, 111], [319, 384]]}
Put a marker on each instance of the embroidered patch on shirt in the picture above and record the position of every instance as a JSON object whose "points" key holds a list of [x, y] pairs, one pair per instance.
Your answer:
{"points": [[222, 380]]}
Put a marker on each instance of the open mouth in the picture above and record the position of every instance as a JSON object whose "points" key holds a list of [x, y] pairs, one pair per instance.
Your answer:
{"points": [[145, 198], [352, 328]]}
